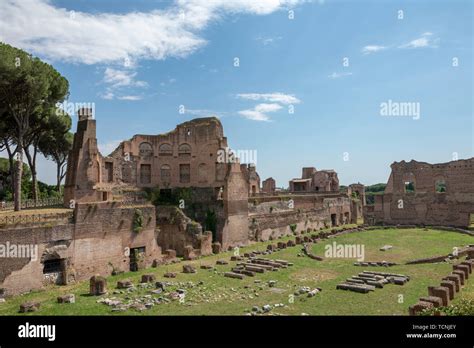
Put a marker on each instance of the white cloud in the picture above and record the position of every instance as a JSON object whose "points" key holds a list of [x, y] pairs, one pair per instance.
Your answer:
{"points": [[425, 40], [122, 78], [336, 75], [107, 95], [270, 97], [259, 112], [130, 97], [372, 49], [267, 107], [268, 40], [89, 38], [118, 80]]}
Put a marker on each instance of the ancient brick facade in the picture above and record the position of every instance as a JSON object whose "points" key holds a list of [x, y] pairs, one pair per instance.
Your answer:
{"points": [[429, 194], [187, 157], [269, 186], [313, 180], [252, 177]]}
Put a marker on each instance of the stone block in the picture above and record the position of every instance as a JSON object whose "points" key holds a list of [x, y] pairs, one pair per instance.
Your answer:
{"points": [[68, 298], [189, 253], [468, 264], [124, 284], [234, 275], [456, 279], [148, 278], [451, 286], [170, 254], [97, 285], [462, 268], [419, 307], [462, 276], [436, 301], [216, 248], [441, 292], [29, 307], [189, 269]]}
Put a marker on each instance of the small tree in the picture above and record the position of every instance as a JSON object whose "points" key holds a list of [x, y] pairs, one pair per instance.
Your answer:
{"points": [[56, 143]]}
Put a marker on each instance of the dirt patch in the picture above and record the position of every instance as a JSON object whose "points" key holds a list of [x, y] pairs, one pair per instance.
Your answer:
{"points": [[310, 274]]}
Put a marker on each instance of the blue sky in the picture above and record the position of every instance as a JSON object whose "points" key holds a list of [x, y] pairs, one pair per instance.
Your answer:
{"points": [[138, 61]]}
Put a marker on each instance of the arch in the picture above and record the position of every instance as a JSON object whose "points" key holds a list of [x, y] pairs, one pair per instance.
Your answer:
{"points": [[165, 149], [440, 185], [184, 149], [409, 183], [145, 149]]}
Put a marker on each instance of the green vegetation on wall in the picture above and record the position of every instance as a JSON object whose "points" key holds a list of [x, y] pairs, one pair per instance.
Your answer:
{"points": [[137, 221]]}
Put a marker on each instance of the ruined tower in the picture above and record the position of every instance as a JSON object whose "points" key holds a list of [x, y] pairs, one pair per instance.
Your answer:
{"points": [[83, 166]]}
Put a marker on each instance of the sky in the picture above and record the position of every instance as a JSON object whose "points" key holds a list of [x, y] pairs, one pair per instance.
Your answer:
{"points": [[346, 85]]}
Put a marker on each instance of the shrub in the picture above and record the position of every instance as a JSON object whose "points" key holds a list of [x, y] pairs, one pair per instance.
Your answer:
{"points": [[464, 307], [137, 221]]}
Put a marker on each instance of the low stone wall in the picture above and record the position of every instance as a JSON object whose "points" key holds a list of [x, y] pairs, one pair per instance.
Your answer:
{"points": [[271, 226]]}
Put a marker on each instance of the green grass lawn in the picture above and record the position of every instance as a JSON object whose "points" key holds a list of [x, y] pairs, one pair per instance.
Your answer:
{"points": [[218, 295]]}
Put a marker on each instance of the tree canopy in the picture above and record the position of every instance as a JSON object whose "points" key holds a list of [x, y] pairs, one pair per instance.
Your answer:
{"points": [[29, 92]]}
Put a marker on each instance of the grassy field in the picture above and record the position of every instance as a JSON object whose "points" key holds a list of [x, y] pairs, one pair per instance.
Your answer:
{"points": [[208, 292]]}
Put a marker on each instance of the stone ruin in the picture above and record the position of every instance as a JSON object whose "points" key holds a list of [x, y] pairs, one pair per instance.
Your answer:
{"points": [[113, 229], [186, 157], [367, 281], [420, 193]]}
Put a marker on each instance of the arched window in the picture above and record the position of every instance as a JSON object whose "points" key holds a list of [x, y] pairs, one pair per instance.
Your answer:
{"points": [[165, 150], [145, 150], [409, 183], [165, 172], [440, 185], [184, 149]]}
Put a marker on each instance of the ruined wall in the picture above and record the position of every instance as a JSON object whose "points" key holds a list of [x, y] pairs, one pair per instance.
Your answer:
{"points": [[99, 238], [176, 230], [304, 211], [269, 185], [425, 205], [84, 163], [263, 227], [235, 197], [313, 180], [252, 178]]}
